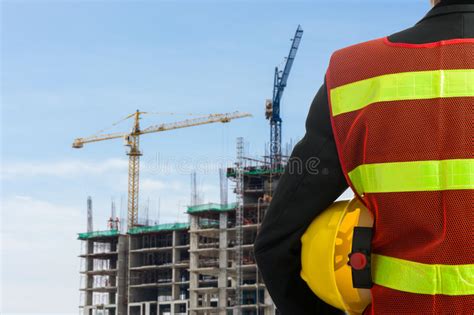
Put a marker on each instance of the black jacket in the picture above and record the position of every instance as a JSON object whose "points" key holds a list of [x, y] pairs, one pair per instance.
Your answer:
{"points": [[301, 196]]}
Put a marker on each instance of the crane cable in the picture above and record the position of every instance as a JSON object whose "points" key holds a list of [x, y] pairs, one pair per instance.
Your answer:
{"points": [[111, 126], [146, 113]]}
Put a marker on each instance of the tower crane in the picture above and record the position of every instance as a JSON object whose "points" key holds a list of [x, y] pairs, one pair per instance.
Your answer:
{"points": [[272, 107], [132, 140]]}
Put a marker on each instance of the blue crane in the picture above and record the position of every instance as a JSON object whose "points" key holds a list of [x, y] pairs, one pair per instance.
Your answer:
{"points": [[272, 107]]}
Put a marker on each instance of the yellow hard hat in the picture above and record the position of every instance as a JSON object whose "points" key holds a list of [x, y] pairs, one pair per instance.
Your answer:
{"points": [[326, 245]]}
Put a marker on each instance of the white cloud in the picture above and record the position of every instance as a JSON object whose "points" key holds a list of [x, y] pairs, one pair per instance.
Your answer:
{"points": [[153, 185], [71, 168], [207, 188], [22, 212], [60, 168], [39, 256]]}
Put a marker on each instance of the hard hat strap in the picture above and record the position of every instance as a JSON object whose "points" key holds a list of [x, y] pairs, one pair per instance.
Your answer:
{"points": [[359, 258]]}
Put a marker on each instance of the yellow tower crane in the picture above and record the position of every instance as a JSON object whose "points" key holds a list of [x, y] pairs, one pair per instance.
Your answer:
{"points": [[132, 139]]}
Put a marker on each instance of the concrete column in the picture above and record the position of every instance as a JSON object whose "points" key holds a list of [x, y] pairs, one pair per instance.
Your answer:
{"points": [[223, 259], [193, 264], [89, 278], [113, 279], [174, 257], [122, 274]]}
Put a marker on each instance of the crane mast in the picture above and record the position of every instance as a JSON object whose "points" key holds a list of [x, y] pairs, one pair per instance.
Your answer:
{"points": [[272, 107], [133, 171], [132, 140]]}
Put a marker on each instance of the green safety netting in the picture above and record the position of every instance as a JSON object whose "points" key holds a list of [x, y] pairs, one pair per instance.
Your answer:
{"points": [[88, 235], [208, 224], [159, 228], [212, 207], [258, 172]]}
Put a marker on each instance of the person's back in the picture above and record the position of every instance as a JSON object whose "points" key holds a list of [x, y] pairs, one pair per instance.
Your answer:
{"points": [[403, 117], [402, 112]]}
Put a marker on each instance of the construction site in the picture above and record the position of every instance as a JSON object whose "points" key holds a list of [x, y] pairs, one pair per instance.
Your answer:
{"points": [[203, 265]]}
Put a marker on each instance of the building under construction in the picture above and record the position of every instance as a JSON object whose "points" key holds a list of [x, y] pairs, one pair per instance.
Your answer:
{"points": [[203, 266]]}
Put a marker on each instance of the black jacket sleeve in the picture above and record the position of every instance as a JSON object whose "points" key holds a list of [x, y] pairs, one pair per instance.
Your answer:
{"points": [[301, 194]]}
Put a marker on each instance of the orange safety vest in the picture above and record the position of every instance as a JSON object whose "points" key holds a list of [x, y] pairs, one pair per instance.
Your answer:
{"points": [[403, 121]]}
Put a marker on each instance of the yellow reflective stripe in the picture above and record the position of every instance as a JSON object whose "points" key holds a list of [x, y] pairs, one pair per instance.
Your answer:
{"points": [[413, 176], [409, 276], [402, 86]]}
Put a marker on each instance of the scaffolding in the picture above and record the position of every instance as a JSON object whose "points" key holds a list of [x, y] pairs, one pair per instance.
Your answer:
{"points": [[239, 217], [202, 267]]}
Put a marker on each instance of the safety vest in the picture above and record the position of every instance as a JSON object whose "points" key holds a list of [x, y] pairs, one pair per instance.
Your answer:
{"points": [[403, 121]]}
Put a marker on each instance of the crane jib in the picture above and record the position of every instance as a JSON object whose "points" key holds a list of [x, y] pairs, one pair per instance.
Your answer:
{"points": [[133, 139], [280, 82]]}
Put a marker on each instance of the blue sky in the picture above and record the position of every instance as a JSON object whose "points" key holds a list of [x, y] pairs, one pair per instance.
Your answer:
{"points": [[70, 68]]}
